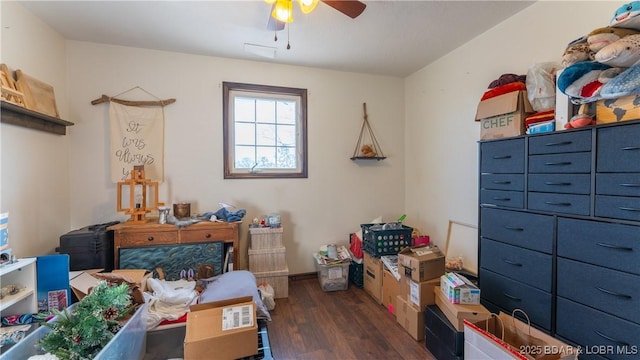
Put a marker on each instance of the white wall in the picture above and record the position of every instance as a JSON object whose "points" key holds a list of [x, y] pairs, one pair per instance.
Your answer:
{"points": [[34, 164], [52, 184], [441, 100], [337, 197]]}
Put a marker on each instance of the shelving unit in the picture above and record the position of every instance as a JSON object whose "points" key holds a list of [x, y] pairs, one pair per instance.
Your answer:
{"points": [[20, 116], [23, 274]]}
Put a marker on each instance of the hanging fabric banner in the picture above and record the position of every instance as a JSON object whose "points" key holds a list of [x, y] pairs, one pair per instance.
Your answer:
{"points": [[137, 138]]}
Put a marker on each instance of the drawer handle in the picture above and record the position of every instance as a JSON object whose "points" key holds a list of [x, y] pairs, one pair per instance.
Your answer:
{"points": [[628, 208], [502, 198], [499, 157], [610, 338], [557, 183], [503, 182], [514, 228], [559, 143], [512, 262], [150, 238], [208, 236], [615, 293], [511, 297], [630, 185], [615, 247], [562, 163], [631, 148], [558, 203]]}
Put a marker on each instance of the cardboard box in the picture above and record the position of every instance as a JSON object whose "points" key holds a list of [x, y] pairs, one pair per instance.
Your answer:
{"points": [[373, 277], [410, 318], [419, 294], [390, 290], [81, 282], [457, 313], [616, 110], [458, 289], [503, 115], [222, 330], [421, 263]]}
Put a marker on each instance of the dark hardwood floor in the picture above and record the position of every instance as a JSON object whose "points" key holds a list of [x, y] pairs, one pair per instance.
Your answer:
{"points": [[313, 324]]}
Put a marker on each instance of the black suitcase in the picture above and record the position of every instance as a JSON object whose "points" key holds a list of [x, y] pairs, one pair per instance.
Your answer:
{"points": [[90, 247]]}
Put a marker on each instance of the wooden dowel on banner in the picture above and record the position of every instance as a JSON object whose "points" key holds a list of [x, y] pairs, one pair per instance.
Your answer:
{"points": [[105, 98]]}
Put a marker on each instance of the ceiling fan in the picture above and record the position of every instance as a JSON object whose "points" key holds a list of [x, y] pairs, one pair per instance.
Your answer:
{"points": [[282, 10]]}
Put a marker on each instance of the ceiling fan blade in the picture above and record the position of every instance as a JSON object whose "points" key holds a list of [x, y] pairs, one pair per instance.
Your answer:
{"points": [[351, 8], [273, 24]]}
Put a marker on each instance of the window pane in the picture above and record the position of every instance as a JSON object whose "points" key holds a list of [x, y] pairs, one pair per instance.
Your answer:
{"points": [[264, 129], [245, 157], [266, 134], [286, 112], [266, 111], [286, 135], [266, 157], [245, 110], [287, 157], [245, 134]]}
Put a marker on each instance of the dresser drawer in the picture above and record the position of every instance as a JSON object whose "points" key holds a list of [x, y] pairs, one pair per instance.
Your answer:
{"points": [[613, 246], [134, 239], [531, 231], [597, 332], [625, 184], [576, 141], [611, 291], [502, 156], [560, 183], [618, 207], [196, 235], [573, 163], [619, 149], [559, 203], [513, 199], [510, 294], [502, 182], [528, 266]]}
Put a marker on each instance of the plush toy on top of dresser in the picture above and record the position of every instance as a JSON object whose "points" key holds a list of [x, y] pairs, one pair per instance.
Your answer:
{"points": [[609, 70]]}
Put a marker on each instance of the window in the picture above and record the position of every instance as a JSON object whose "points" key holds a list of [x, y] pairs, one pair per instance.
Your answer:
{"points": [[265, 131]]}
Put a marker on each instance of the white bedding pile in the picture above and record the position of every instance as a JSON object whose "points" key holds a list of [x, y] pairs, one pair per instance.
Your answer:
{"points": [[168, 300]]}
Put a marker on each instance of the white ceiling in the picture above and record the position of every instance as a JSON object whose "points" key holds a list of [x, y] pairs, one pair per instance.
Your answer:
{"points": [[393, 38]]}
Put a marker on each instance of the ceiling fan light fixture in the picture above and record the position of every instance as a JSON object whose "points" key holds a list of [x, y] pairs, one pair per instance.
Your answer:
{"points": [[307, 6], [283, 11]]}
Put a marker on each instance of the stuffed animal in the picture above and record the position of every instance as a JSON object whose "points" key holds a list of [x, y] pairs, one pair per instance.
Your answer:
{"points": [[367, 151], [625, 83], [581, 80], [583, 118], [601, 37], [626, 16], [577, 51], [622, 53]]}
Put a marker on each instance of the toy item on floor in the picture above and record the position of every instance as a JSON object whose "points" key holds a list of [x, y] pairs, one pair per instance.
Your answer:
{"points": [[577, 51], [601, 37], [622, 53], [626, 16]]}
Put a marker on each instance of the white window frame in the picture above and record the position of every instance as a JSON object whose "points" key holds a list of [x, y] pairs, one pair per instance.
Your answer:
{"points": [[232, 90]]}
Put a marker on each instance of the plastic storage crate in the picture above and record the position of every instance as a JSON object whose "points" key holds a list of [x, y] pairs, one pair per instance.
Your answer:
{"points": [[129, 343], [332, 277], [378, 241], [356, 274]]}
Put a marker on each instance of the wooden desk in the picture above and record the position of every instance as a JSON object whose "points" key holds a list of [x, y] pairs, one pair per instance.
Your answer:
{"points": [[127, 235]]}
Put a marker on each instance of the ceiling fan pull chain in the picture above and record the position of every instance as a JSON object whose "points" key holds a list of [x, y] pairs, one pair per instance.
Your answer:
{"points": [[288, 44], [275, 36]]}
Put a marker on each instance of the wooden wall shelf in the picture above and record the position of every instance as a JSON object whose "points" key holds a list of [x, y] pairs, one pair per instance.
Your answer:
{"points": [[369, 158], [17, 115]]}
